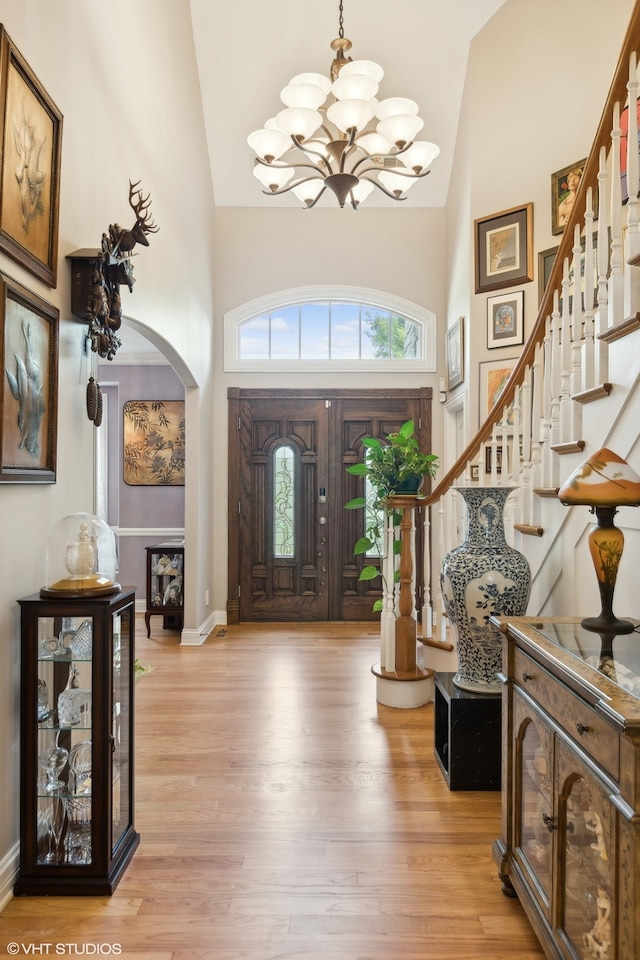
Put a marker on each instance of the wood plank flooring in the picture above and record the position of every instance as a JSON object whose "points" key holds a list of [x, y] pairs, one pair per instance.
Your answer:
{"points": [[285, 814]]}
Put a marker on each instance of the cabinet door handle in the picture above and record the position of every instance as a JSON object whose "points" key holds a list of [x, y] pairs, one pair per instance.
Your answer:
{"points": [[582, 727], [548, 822], [527, 676]]}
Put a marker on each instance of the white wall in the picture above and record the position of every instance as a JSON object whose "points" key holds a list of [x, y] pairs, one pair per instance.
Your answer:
{"points": [[126, 116]]}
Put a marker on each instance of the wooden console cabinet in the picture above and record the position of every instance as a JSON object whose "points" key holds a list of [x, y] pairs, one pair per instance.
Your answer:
{"points": [[570, 844]]}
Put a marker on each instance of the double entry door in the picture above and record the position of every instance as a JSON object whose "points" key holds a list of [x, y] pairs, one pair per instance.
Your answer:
{"points": [[291, 541]]}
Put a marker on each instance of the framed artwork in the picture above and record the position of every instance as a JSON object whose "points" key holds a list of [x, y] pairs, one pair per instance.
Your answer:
{"points": [[29, 395], [504, 249], [455, 354], [493, 378], [505, 320], [154, 443], [564, 186], [30, 147], [545, 265]]}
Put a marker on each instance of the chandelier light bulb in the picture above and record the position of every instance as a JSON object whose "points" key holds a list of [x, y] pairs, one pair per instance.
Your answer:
{"points": [[335, 134]]}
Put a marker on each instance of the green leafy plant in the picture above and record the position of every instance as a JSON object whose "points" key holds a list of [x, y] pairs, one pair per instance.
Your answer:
{"points": [[392, 467]]}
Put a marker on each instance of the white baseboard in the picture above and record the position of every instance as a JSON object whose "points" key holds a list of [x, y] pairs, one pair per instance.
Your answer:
{"points": [[8, 873], [194, 638]]}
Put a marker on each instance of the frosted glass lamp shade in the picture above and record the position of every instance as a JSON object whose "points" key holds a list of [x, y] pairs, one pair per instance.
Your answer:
{"points": [[420, 155], [308, 192], [357, 86], [269, 143], [271, 176], [400, 128], [365, 67], [307, 95], [395, 183], [396, 106], [316, 79], [374, 144], [300, 122], [350, 114]]}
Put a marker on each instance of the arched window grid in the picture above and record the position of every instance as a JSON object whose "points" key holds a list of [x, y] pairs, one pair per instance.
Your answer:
{"points": [[330, 329]]}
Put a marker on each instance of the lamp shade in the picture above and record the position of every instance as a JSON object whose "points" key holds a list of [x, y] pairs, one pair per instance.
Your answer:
{"points": [[602, 480], [366, 67]]}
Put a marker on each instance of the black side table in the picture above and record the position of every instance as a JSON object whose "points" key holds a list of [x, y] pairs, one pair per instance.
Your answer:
{"points": [[467, 735]]}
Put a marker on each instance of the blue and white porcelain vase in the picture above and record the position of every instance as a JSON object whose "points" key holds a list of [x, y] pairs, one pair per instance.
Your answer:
{"points": [[482, 577]]}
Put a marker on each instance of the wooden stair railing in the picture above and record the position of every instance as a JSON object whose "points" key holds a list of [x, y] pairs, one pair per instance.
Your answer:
{"points": [[565, 357]]}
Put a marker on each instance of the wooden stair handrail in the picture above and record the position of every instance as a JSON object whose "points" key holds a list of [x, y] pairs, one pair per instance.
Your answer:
{"points": [[589, 178]]}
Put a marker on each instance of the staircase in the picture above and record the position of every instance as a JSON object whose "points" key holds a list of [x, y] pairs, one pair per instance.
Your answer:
{"points": [[573, 390]]}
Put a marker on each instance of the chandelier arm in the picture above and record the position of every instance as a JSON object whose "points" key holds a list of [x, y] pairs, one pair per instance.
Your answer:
{"points": [[383, 189], [316, 153], [401, 173], [348, 148], [279, 165], [274, 193]]}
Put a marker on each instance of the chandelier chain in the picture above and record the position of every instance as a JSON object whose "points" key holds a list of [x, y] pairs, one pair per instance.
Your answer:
{"points": [[341, 21]]}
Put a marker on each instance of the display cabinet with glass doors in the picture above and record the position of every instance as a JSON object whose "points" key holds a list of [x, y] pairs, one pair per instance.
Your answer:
{"points": [[77, 786], [570, 843]]}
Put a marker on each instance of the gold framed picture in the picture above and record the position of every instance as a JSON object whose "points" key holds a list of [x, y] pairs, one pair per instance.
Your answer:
{"points": [[30, 146]]}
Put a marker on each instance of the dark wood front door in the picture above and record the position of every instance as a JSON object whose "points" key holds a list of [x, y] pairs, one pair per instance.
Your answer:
{"points": [[290, 538]]}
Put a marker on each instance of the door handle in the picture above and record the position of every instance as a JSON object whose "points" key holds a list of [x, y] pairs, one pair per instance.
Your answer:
{"points": [[322, 520]]}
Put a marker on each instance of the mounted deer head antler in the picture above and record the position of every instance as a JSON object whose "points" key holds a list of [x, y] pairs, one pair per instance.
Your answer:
{"points": [[140, 206]]}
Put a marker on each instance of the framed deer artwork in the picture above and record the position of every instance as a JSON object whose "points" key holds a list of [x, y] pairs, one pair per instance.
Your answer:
{"points": [[30, 147]]}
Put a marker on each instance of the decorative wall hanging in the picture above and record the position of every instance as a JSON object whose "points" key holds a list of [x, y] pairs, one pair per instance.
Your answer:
{"points": [[505, 320], [29, 395], [455, 354], [30, 147], [493, 379], [154, 443], [564, 186], [504, 248], [96, 275]]}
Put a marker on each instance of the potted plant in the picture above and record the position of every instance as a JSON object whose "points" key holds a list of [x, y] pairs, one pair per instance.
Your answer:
{"points": [[396, 466]]}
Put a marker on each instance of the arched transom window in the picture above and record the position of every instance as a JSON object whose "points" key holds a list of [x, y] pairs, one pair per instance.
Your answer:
{"points": [[328, 328]]}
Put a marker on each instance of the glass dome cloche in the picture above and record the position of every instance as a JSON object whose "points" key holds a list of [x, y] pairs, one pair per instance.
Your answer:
{"points": [[81, 558]]}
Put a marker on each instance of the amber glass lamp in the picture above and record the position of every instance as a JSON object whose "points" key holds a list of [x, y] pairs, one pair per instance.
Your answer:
{"points": [[604, 482]]}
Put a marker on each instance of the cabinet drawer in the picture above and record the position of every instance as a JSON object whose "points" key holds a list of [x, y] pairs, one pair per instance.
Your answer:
{"points": [[577, 718]]}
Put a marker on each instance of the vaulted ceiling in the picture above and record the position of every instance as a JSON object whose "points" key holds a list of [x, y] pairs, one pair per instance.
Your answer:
{"points": [[247, 53]]}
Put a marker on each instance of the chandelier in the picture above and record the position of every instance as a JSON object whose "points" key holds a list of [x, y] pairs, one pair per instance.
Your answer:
{"points": [[334, 133]]}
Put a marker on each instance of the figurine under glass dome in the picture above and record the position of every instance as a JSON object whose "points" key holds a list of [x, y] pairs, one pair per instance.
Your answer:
{"points": [[81, 558]]}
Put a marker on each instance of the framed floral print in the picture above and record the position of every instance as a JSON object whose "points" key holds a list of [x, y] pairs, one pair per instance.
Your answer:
{"points": [[30, 147], [29, 394]]}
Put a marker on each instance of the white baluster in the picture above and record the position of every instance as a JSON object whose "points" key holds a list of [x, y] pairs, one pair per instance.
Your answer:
{"points": [[601, 365], [586, 360], [632, 235], [616, 278], [427, 611]]}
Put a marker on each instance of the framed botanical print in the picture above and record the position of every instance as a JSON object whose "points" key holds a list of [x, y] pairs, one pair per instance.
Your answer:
{"points": [[455, 354], [154, 443], [504, 248], [29, 394], [30, 147], [505, 320]]}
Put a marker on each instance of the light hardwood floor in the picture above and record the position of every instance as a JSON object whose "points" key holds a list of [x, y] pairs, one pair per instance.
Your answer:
{"points": [[285, 814]]}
